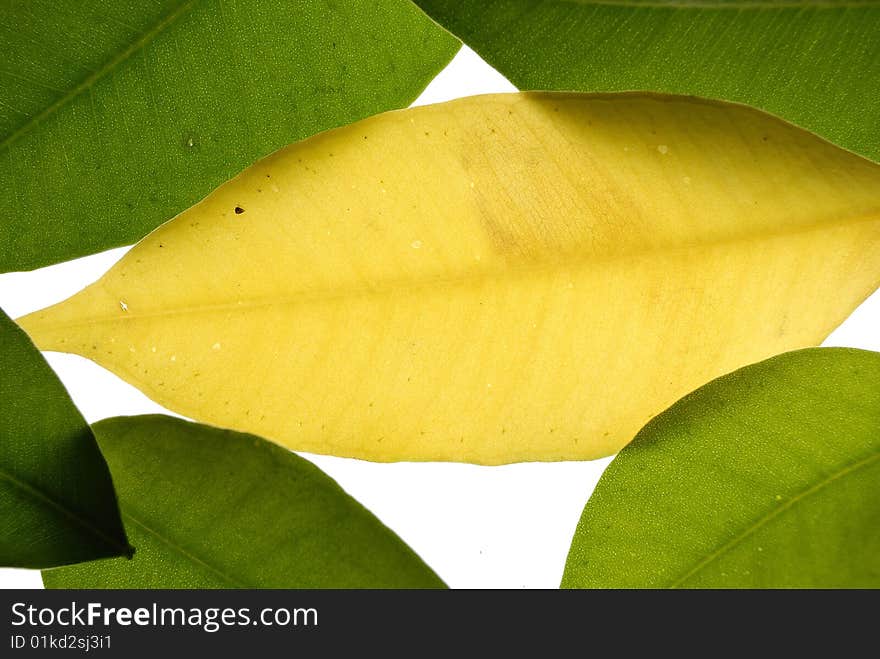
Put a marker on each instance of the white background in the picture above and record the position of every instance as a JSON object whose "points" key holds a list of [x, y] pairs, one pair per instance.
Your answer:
{"points": [[478, 527]]}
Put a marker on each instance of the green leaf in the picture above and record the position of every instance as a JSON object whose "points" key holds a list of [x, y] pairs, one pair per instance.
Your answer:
{"points": [[815, 63], [115, 116], [766, 477], [210, 508], [57, 504]]}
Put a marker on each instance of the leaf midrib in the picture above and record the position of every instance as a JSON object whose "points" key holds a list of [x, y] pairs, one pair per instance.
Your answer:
{"points": [[87, 83], [49, 502], [183, 552], [773, 514], [395, 286]]}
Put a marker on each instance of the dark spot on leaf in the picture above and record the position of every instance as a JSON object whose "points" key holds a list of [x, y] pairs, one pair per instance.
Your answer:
{"points": [[239, 210]]}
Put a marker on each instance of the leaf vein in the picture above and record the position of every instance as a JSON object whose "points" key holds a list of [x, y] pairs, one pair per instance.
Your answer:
{"points": [[90, 81], [395, 286], [776, 512], [183, 552], [50, 502]]}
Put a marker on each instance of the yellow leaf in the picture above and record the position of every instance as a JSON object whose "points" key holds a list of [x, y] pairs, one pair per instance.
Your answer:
{"points": [[494, 279]]}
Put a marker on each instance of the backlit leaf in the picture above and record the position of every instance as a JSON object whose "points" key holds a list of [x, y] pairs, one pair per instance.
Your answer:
{"points": [[815, 63], [495, 279], [57, 503], [117, 115], [209, 508], [765, 478]]}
